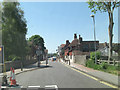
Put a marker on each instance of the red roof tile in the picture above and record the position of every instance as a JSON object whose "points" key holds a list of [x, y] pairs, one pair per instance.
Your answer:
{"points": [[62, 45], [74, 43]]}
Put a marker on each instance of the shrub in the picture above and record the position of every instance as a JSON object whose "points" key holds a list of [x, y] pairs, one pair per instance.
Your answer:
{"points": [[90, 63], [104, 65], [92, 55]]}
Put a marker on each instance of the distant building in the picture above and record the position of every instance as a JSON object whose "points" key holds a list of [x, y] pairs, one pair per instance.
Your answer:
{"points": [[60, 50], [79, 47], [104, 49]]}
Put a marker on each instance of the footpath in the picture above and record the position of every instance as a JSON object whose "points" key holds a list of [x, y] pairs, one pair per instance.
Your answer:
{"points": [[25, 69], [101, 76]]}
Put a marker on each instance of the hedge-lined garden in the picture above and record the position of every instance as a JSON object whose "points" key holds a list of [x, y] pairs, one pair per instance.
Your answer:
{"points": [[103, 66]]}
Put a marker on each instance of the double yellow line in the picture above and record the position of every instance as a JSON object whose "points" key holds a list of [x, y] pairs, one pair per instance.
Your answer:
{"points": [[103, 82]]}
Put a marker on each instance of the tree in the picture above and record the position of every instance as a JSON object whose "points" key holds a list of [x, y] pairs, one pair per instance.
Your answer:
{"points": [[109, 8], [116, 48], [36, 41], [14, 29]]}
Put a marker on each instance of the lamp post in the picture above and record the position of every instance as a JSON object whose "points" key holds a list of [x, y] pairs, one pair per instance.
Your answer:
{"points": [[94, 37]]}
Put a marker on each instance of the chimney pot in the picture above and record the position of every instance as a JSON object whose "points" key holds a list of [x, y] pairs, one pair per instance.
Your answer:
{"points": [[67, 42], [79, 37], [75, 36]]}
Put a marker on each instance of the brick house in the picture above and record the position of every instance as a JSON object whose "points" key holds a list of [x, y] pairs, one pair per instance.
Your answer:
{"points": [[79, 47], [60, 50]]}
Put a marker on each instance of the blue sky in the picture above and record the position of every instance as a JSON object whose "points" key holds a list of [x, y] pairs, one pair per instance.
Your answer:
{"points": [[56, 22]]}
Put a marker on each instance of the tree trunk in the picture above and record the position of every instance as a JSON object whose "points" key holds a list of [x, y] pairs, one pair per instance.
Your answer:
{"points": [[110, 35]]}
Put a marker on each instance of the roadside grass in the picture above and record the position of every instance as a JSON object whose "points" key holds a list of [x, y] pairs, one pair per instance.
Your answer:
{"points": [[103, 67]]}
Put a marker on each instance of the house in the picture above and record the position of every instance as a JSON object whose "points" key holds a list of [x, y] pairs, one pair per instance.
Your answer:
{"points": [[60, 50], [104, 49], [79, 47], [63, 48]]}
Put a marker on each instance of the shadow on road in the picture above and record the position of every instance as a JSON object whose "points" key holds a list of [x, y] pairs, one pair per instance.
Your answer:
{"points": [[35, 66], [44, 66]]}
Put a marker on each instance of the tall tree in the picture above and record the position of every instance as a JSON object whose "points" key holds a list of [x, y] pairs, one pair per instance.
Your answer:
{"points": [[106, 6], [36, 41], [14, 29]]}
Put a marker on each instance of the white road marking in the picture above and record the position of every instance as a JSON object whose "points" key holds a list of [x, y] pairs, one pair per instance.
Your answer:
{"points": [[3, 87], [33, 86], [47, 87]]}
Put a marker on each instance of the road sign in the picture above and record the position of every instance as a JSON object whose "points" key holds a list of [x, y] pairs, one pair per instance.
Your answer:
{"points": [[38, 52], [1, 54], [0, 49], [1, 58]]}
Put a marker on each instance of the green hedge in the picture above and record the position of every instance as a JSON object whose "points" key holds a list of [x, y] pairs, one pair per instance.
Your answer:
{"points": [[92, 55]]}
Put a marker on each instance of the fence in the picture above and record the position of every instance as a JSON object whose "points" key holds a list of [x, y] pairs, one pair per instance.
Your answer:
{"points": [[113, 62]]}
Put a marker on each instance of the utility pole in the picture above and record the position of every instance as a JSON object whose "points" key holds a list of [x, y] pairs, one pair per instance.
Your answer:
{"points": [[94, 37]]}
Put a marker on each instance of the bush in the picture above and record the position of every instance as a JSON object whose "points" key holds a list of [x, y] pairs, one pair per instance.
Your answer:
{"points": [[104, 65], [90, 63], [92, 55]]}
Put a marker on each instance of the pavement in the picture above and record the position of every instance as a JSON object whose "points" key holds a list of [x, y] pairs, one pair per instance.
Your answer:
{"points": [[18, 71], [102, 76]]}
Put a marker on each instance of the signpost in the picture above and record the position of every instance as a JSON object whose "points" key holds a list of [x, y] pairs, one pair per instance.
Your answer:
{"points": [[2, 66], [1, 58]]}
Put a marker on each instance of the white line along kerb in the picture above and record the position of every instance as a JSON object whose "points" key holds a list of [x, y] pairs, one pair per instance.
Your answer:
{"points": [[33, 86], [51, 87]]}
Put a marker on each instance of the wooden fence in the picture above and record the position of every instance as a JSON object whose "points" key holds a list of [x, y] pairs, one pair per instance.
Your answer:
{"points": [[113, 62]]}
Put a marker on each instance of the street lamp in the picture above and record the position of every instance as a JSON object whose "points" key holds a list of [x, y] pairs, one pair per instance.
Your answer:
{"points": [[94, 37]]}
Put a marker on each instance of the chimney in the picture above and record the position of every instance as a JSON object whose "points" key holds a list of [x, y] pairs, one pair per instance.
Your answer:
{"points": [[75, 36], [67, 42], [79, 36], [80, 39]]}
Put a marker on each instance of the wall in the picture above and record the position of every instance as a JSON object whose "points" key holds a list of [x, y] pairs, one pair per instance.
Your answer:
{"points": [[71, 58], [80, 59], [17, 64]]}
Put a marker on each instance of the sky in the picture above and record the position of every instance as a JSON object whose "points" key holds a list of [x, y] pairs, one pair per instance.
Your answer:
{"points": [[57, 22]]}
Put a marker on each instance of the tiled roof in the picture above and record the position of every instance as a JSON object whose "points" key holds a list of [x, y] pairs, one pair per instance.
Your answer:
{"points": [[74, 43], [62, 45]]}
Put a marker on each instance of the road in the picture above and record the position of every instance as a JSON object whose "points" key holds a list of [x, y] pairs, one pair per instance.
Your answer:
{"points": [[57, 74]]}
